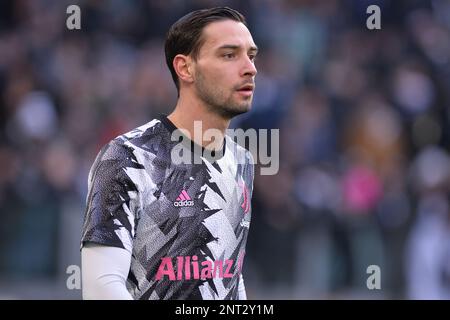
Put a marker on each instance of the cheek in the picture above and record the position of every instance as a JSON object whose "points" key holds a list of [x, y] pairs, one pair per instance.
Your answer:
{"points": [[219, 74]]}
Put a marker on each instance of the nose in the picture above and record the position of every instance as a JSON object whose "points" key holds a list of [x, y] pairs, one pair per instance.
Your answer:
{"points": [[249, 68]]}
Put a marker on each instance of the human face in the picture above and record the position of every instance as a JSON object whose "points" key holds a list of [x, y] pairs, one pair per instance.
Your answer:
{"points": [[224, 77]]}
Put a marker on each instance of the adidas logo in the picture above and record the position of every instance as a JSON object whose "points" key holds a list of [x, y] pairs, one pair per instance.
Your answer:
{"points": [[183, 200]]}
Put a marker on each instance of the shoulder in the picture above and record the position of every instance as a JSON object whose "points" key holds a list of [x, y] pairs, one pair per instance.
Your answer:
{"points": [[146, 137], [127, 149], [150, 129]]}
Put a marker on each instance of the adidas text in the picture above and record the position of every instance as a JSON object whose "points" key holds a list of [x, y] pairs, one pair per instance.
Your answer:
{"points": [[184, 203]]}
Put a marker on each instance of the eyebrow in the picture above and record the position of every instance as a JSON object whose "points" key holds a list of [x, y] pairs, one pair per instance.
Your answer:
{"points": [[233, 46]]}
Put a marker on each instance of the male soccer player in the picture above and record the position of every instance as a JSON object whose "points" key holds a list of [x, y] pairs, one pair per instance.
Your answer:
{"points": [[158, 229]]}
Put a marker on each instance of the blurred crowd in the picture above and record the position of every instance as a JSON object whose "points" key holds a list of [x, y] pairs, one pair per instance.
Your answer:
{"points": [[363, 115]]}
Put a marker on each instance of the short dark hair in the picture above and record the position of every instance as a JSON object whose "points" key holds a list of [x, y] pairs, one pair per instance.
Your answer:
{"points": [[185, 35]]}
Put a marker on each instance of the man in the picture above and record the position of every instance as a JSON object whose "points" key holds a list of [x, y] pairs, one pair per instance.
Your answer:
{"points": [[159, 229]]}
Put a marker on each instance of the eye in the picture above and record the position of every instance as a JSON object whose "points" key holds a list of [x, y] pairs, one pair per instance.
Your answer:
{"points": [[252, 57], [229, 55]]}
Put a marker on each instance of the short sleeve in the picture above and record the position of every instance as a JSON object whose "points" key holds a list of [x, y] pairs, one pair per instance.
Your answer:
{"points": [[112, 200]]}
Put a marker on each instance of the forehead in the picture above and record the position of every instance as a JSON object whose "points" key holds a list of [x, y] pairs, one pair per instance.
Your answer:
{"points": [[227, 32]]}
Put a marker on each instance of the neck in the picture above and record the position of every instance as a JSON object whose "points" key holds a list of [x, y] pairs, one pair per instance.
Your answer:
{"points": [[189, 110]]}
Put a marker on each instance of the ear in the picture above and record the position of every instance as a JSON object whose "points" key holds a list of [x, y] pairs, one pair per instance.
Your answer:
{"points": [[183, 67]]}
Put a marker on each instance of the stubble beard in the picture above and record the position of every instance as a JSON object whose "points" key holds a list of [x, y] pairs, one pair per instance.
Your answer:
{"points": [[217, 100]]}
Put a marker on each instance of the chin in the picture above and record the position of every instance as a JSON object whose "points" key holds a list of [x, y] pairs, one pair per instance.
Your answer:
{"points": [[247, 107], [230, 113], [243, 109]]}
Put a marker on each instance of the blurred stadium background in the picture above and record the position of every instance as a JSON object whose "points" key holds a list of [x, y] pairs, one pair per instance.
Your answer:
{"points": [[364, 124]]}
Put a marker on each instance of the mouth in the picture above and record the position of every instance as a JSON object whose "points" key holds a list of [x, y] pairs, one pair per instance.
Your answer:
{"points": [[247, 89]]}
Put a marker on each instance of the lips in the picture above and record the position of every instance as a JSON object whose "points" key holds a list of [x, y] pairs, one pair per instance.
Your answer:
{"points": [[247, 88]]}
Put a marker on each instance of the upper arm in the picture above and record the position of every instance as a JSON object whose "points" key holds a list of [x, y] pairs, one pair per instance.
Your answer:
{"points": [[110, 215]]}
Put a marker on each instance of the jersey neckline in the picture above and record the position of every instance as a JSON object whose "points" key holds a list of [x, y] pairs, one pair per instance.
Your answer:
{"points": [[193, 146]]}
